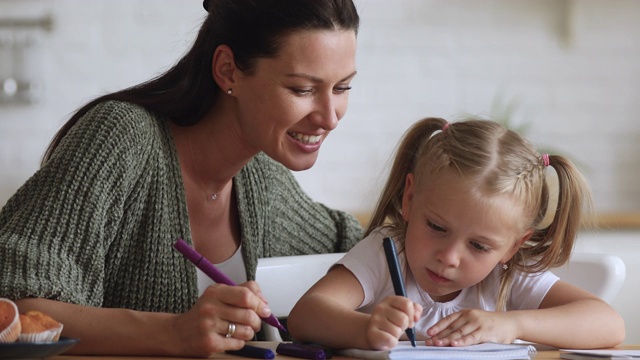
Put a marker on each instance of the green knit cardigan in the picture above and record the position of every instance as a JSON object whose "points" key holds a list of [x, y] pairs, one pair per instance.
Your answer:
{"points": [[96, 224]]}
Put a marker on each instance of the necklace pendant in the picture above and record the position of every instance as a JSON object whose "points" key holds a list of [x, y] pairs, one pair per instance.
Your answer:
{"points": [[214, 196]]}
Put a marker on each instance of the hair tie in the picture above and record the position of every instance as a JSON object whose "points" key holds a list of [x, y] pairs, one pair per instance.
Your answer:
{"points": [[545, 159], [445, 127]]}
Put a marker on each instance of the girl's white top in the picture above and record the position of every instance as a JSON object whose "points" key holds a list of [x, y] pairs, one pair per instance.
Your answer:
{"points": [[367, 262]]}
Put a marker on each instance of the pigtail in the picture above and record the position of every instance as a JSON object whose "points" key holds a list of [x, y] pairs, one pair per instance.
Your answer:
{"points": [[573, 211], [388, 210]]}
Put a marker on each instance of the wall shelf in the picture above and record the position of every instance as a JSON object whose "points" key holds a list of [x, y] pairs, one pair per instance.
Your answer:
{"points": [[45, 22], [603, 221]]}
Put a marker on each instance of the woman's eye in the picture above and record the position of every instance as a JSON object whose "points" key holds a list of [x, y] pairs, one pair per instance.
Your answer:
{"points": [[302, 91], [436, 227], [341, 89]]}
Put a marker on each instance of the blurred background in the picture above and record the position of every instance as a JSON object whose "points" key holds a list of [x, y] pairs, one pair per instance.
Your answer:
{"points": [[565, 73]]}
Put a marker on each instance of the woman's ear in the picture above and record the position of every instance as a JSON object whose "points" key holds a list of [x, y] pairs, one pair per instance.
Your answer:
{"points": [[407, 196], [224, 67]]}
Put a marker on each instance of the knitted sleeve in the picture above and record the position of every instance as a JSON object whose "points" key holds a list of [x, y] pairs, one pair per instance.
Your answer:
{"points": [[279, 219], [56, 229]]}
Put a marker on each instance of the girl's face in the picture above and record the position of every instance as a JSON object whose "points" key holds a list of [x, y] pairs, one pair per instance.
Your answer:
{"points": [[454, 240], [288, 105]]}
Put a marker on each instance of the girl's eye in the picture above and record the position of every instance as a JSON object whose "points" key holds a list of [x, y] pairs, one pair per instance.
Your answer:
{"points": [[435, 227], [479, 247]]}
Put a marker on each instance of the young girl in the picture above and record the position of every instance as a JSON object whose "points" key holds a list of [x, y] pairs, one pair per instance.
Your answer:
{"points": [[464, 204]]}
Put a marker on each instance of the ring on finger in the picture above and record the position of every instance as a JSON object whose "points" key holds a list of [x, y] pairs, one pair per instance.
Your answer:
{"points": [[231, 329]]}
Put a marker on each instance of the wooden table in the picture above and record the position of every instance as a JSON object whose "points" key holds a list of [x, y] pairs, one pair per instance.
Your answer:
{"points": [[542, 354]]}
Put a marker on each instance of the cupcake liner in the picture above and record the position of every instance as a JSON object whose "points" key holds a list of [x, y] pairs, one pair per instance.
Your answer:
{"points": [[12, 332], [43, 336]]}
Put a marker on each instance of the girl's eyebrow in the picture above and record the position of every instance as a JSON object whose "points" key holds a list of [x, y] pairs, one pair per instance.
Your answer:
{"points": [[317, 79], [488, 240]]}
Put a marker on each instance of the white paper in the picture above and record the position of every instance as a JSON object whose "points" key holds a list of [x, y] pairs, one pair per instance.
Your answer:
{"points": [[404, 350]]}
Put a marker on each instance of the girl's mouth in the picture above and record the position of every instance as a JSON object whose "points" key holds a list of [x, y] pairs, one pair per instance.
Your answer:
{"points": [[437, 278]]}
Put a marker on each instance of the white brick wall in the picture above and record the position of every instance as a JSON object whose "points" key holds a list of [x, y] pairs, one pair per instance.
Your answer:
{"points": [[572, 68]]}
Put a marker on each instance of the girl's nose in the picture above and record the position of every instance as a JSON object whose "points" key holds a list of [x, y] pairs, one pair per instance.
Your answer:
{"points": [[449, 255]]}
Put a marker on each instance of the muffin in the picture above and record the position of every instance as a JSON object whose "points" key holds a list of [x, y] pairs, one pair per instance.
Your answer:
{"points": [[9, 321], [38, 327]]}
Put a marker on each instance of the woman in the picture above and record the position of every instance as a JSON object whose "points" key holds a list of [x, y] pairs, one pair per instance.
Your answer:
{"points": [[203, 153]]}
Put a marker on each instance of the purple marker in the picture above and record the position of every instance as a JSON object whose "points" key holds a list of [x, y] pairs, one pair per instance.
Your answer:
{"points": [[254, 352], [301, 351], [215, 274]]}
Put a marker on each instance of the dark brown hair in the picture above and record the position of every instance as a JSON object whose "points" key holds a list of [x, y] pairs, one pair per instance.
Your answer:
{"points": [[253, 29]]}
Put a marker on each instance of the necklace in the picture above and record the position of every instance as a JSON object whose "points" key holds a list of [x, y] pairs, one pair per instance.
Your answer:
{"points": [[211, 196]]}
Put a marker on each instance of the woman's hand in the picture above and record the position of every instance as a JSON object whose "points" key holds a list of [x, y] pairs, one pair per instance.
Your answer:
{"points": [[388, 321], [203, 329], [473, 326]]}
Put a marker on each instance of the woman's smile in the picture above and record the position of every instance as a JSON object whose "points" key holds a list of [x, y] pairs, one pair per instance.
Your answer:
{"points": [[306, 139], [305, 142]]}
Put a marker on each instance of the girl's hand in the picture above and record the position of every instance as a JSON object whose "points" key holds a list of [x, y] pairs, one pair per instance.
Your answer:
{"points": [[203, 329], [388, 321], [473, 326]]}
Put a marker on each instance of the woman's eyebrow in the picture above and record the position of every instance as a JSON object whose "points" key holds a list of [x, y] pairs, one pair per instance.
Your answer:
{"points": [[317, 79]]}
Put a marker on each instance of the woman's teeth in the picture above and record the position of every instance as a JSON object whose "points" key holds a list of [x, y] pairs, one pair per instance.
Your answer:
{"points": [[306, 139]]}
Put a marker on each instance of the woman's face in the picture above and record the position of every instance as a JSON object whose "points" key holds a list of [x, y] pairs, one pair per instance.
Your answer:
{"points": [[288, 105], [454, 239]]}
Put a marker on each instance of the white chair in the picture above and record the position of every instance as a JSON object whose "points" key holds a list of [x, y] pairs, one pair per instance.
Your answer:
{"points": [[600, 274], [283, 281]]}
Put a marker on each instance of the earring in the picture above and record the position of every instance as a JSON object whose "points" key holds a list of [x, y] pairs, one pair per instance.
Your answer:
{"points": [[230, 91], [505, 267]]}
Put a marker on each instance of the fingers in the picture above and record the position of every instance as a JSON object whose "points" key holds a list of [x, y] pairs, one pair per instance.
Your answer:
{"points": [[439, 332], [451, 328], [223, 318], [262, 307], [417, 312], [239, 304], [472, 326], [389, 320], [458, 337], [232, 330], [255, 288]]}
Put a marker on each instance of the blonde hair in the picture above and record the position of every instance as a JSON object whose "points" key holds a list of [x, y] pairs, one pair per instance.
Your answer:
{"points": [[496, 161]]}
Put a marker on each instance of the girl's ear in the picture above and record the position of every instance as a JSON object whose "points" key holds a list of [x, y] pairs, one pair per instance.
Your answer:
{"points": [[516, 246], [407, 196], [223, 67]]}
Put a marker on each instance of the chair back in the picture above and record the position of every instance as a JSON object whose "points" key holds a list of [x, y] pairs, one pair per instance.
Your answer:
{"points": [[285, 279], [600, 274]]}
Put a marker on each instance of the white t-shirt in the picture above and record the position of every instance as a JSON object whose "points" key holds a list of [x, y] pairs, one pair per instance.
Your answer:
{"points": [[367, 262], [233, 267]]}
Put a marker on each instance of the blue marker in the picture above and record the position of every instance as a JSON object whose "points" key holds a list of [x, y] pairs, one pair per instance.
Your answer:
{"points": [[396, 277]]}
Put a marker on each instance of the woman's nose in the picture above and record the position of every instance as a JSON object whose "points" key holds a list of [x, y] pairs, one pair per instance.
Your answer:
{"points": [[326, 114]]}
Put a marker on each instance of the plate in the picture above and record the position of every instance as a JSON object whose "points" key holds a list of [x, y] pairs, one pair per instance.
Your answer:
{"points": [[25, 350]]}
